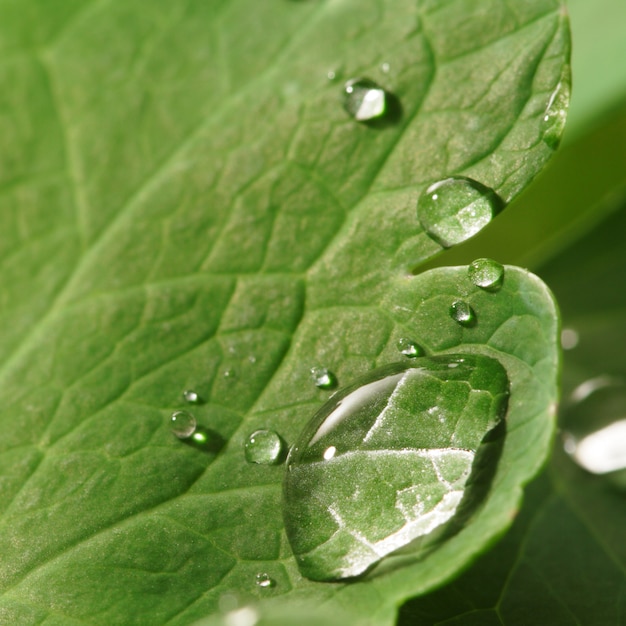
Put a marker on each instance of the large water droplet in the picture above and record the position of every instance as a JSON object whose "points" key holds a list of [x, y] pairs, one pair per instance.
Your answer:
{"points": [[455, 209], [386, 461], [264, 447], [486, 274], [323, 378], [364, 100], [595, 425], [463, 313], [264, 580], [183, 424], [555, 115], [409, 348]]}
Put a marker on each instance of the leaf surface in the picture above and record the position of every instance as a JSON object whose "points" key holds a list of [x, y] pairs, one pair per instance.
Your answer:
{"points": [[567, 545], [185, 205]]}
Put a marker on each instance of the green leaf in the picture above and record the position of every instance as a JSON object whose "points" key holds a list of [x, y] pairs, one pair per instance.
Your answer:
{"points": [[186, 205], [564, 561]]}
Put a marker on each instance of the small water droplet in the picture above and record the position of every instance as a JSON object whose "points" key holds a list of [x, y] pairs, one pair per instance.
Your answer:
{"points": [[364, 100], [455, 209], [594, 425], [372, 442], [555, 115], [385, 67], [323, 378], [462, 312], [331, 75], [183, 424], [191, 397], [230, 373], [486, 274], [252, 359], [409, 348], [265, 580], [569, 339], [264, 447]]}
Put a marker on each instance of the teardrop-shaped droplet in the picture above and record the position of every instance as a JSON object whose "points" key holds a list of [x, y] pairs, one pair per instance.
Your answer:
{"points": [[190, 396], [463, 313], [264, 580], [409, 348], [594, 425], [183, 424], [364, 100], [455, 209], [264, 447], [386, 460], [486, 274], [323, 378], [555, 115]]}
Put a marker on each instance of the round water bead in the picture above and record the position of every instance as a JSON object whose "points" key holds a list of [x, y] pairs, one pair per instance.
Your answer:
{"points": [[264, 580], [363, 99], [191, 396], [323, 378], [462, 312], [455, 209], [409, 348], [486, 274], [387, 459], [264, 447], [183, 424]]}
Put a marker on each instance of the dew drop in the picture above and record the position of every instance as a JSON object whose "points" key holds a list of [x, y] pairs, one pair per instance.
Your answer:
{"points": [[486, 274], [364, 100], [264, 447], [594, 425], [409, 348], [265, 580], [385, 67], [455, 209], [555, 115], [323, 378], [462, 312], [191, 397], [376, 444], [331, 75], [183, 424]]}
